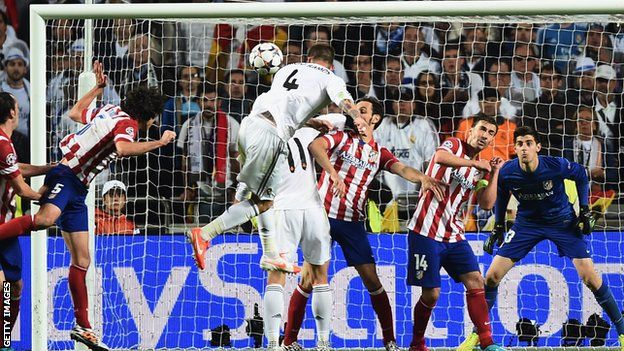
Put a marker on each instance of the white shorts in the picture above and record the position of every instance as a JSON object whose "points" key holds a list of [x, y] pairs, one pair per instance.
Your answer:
{"points": [[307, 228], [260, 155]]}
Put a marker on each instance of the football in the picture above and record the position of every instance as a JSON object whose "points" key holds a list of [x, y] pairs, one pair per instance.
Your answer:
{"points": [[266, 58]]}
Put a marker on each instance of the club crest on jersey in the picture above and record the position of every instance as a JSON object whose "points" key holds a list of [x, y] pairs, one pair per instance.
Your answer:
{"points": [[548, 185], [11, 159], [372, 157], [420, 274]]}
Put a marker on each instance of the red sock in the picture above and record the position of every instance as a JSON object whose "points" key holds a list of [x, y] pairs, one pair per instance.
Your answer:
{"points": [[381, 305], [422, 313], [296, 312], [478, 311], [78, 288], [16, 227]]}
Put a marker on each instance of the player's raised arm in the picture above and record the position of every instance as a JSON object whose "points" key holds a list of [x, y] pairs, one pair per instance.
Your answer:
{"points": [[486, 197], [84, 102], [318, 148], [446, 158], [416, 176], [126, 148]]}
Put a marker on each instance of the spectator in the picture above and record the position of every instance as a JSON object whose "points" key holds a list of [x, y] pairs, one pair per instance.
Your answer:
{"points": [[16, 69], [388, 39], [458, 86], [184, 105], [499, 77], [110, 219], [362, 85], [234, 104], [427, 95], [610, 110], [598, 45], [522, 33], [9, 40], [525, 84], [321, 34], [292, 52], [208, 146], [111, 44], [503, 144], [549, 115], [417, 56], [475, 48], [411, 138], [561, 42], [141, 68], [584, 148], [392, 79], [581, 91]]}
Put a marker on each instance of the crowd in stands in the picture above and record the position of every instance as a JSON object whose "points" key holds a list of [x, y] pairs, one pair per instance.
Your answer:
{"points": [[564, 80]]}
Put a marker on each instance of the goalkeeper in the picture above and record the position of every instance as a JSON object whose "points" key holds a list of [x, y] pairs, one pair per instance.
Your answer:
{"points": [[544, 212]]}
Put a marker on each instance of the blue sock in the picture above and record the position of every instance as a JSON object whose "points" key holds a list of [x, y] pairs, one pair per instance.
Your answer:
{"points": [[607, 302], [490, 296]]}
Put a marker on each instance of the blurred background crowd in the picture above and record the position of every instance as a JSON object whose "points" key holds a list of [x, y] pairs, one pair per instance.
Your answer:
{"points": [[563, 79]]}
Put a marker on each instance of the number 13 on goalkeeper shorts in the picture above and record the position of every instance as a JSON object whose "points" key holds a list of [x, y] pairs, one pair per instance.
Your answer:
{"points": [[420, 265]]}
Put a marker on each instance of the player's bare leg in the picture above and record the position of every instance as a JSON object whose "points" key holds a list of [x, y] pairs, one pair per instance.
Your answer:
{"points": [[602, 293], [380, 302], [498, 269], [78, 246]]}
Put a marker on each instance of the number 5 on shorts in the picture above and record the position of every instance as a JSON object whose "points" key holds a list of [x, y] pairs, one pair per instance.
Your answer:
{"points": [[421, 262], [57, 189]]}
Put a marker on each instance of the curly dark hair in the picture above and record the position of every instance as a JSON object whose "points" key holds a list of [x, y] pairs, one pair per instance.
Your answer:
{"points": [[7, 104], [143, 103]]}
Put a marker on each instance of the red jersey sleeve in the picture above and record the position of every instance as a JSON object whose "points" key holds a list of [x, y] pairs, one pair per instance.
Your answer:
{"points": [[451, 145], [126, 129], [8, 160], [387, 159], [333, 138]]}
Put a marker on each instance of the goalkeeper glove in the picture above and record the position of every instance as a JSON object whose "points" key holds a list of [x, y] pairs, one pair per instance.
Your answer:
{"points": [[585, 221], [496, 238]]}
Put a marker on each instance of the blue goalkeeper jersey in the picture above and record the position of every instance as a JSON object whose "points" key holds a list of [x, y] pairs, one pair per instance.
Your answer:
{"points": [[541, 194]]}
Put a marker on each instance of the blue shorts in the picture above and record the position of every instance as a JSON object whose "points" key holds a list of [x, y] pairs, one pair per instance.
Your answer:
{"points": [[11, 259], [522, 238], [353, 240], [427, 257], [67, 192]]}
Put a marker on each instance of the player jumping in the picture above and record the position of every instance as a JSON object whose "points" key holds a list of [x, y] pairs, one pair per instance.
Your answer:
{"points": [[544, 213], [436, 237], [12, 183], [350, 161], [297, 93], [109, 131]]}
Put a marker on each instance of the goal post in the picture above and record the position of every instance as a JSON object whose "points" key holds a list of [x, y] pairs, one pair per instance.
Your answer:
{"points": [[268, 13]]}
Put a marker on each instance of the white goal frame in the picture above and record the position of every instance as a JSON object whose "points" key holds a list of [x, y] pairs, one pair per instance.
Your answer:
{"points": [[347, 12]]}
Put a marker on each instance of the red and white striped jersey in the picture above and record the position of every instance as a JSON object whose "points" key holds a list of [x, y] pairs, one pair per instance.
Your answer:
{"points": [[357, 163], [89, 150], [8, 171], [444, 220]]}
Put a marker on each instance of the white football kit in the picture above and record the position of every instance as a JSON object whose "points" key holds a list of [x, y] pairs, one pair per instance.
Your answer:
{"points": [[299, 213], [297, 93]]}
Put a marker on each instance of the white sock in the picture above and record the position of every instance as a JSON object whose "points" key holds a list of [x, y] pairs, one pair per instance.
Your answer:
{"points": [[273, 309], [235, 215], [321, 309], [266, 227]]}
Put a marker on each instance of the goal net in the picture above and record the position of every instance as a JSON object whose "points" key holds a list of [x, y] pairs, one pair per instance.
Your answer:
{"points": [[558, 74]]}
